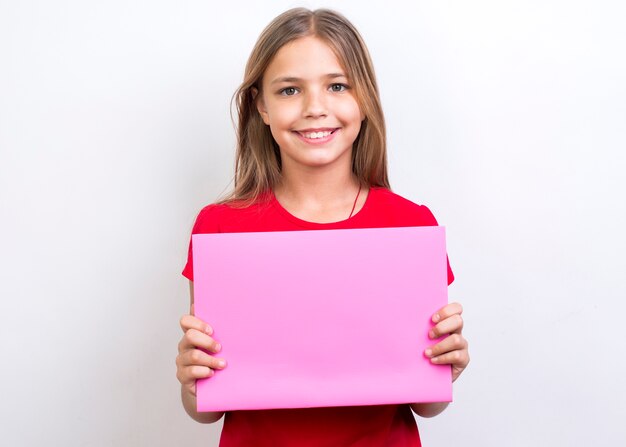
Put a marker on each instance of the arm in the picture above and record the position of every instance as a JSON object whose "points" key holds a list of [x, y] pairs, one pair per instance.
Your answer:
{"points": [[193, 364], [452, 350]]}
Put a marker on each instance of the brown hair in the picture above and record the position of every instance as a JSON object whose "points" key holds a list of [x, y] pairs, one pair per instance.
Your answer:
{"points": [[258, 164]]}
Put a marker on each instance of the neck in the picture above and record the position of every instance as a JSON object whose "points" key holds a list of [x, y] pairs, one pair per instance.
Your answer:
{"points": [[318, 187], [319, 194]]}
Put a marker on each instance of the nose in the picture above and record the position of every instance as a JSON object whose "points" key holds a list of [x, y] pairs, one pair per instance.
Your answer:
{"points": [[315, 104]]}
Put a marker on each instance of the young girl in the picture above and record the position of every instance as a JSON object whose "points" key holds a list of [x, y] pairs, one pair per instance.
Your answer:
{"points": [[311, 155]]}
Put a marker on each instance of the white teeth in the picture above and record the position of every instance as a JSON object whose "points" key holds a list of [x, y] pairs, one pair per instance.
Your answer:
{"points": [[314, 135]]}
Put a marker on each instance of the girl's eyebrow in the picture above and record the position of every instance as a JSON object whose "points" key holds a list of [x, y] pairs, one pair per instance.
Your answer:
{"points": [[295, 79]]}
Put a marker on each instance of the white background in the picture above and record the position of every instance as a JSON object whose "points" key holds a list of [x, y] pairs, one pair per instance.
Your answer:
{"points": [[507, 118]]}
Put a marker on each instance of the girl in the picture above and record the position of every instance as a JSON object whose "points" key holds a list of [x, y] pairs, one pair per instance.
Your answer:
{"points": [[311, 154]]}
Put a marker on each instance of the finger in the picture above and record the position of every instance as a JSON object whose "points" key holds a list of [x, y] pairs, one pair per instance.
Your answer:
{"points": [[190, 322], [458, 358], [191, 386], [447, 311], [201, 358], [452, 343], [192, 373], [453, 324], [196, 339]]}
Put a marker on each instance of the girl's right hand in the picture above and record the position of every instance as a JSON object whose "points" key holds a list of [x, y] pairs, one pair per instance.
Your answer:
{"points": [[193, 363]]}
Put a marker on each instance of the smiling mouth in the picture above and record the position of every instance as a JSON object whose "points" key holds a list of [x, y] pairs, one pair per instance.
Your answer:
{"points": [[315, 135]]}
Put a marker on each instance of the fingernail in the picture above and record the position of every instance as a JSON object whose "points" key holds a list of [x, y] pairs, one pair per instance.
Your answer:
{"points": [[221, 363], [208, 329], [218, 347], [434, 359], [428, 352], [431, 334], [436, 318]]}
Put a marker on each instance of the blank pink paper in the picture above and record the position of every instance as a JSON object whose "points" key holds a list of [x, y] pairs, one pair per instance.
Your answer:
{"points": [[321, 318]]}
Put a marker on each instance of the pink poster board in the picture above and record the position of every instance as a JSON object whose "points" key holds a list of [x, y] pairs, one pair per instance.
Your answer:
{"points": [[321, 318]]}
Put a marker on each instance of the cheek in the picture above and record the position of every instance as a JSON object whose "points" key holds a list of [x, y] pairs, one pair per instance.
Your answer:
{"points": [[350, 112], [284, 115]]}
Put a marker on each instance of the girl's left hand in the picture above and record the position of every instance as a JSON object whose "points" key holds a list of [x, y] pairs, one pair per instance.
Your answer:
{"points": [[452, 350]]}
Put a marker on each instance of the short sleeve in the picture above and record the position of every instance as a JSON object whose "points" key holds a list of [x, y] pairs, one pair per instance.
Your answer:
{"points": [[429, 219], [206, 222]]}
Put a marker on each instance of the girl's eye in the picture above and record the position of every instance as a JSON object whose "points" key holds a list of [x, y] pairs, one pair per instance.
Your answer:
{"points": [[289, 91], [338, 87]]}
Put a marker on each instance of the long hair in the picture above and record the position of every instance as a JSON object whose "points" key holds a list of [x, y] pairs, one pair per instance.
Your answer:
{"points": [[257, 161]]}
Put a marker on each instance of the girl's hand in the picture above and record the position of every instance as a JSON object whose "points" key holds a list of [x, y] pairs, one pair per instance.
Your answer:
{"points": [[192, 362], [452, 350]]}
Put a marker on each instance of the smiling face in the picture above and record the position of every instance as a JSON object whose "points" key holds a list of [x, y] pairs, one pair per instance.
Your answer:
{"points": [[308, 102]]}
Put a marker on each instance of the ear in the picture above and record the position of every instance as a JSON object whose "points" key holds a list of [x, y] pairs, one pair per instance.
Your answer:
{"points": [[260, 105]]}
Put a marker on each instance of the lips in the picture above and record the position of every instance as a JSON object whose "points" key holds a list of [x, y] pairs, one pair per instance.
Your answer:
{"points": [[321, 134], [316, 136]]}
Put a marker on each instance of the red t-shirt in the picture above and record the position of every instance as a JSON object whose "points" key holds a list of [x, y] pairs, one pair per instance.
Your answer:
{"points": [[379, 425]]}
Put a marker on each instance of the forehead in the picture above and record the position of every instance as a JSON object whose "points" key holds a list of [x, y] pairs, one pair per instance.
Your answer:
{"points": [[306, 58]]}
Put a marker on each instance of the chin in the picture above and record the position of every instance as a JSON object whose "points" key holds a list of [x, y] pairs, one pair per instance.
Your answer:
{"points": [[322, 161]]}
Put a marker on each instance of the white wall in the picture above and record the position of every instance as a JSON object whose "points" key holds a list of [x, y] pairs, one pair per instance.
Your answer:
{"points": [[507, 118]]}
